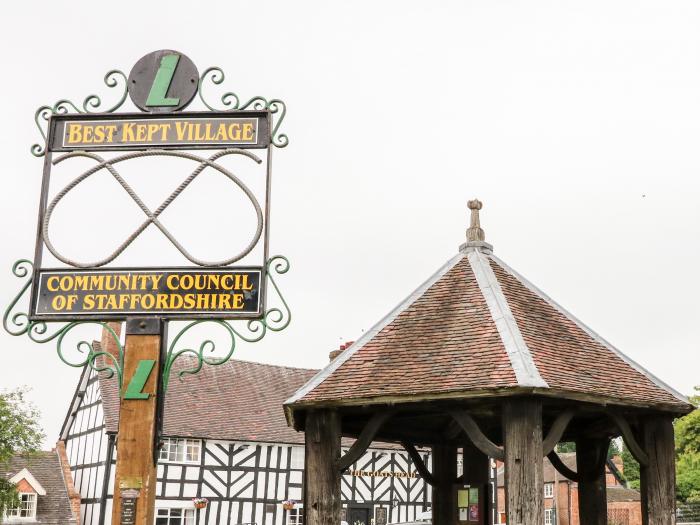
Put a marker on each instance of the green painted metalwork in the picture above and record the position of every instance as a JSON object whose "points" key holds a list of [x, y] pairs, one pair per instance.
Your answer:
{"points": [[275, 319], [138, 380], [17, 323], [231, 102], [157, 97], [91, 104]]}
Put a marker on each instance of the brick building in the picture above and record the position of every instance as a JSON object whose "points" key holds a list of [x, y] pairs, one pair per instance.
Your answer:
{"points": [[561, 495], [45, 489]]}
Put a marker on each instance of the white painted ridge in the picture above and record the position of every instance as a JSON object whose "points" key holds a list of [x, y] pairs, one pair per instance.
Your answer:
{"points": [[519, 354]]}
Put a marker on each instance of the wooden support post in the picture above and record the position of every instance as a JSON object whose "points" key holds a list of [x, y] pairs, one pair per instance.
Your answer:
{"points": [[135, 476], [524, 471], [658, 478], [475, 465], [322, 474], [592, 502], [445, 474]]}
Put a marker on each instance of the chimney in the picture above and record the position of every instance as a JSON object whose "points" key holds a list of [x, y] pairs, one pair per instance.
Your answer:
{"points": [[73, 495], [108, 344], [340, 350]]}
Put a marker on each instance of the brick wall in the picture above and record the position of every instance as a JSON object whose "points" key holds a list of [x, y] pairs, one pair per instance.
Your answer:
{"points": [[73, 494]]}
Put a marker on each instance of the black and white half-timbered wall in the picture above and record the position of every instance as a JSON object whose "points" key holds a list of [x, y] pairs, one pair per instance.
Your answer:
{"points": [[226, 440]]}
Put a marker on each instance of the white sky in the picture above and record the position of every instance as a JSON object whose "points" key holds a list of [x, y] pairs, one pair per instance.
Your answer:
{"points": [[577, 124]]}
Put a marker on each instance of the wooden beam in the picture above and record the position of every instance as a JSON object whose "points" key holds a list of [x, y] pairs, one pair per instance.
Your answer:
{"points": [[444, 508], [321, 475], [483, 443], [135, 473], [418, 462], [592, 502], [658, 476], [556, 431], [364, 440], [637, 451], [524, 471], [565, 471]]}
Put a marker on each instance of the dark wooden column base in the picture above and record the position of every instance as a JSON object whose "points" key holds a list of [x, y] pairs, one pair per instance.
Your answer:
{"points": [[592, 499], [322, 476], [445, 475], [658, 478], [524, 471]]}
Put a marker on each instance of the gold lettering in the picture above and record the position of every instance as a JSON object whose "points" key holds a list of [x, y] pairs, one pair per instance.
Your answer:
{"points": [[54, 288], [141, 132], [189, 301], [180, 128], [164, 128], [128, 132], [248, 131], [88, 302], [171, 280], [234, 131], [75, 133], [238, 302], [99, 134], [110, 132], [152, 129]]}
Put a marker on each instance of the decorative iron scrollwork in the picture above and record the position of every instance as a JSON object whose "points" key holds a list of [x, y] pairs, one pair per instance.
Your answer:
{"points": [[91, 104], [17, 323], [232, 102], [275, 319]]}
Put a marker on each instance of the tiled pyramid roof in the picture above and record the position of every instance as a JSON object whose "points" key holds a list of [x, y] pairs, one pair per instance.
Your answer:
{"points": [[477, 327]]}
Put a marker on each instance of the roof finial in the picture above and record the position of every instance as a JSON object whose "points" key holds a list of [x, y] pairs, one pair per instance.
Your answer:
{"points": [[474, 232]]}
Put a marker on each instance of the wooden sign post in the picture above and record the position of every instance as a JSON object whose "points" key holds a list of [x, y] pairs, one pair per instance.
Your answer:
{"points": [[135, 477]]}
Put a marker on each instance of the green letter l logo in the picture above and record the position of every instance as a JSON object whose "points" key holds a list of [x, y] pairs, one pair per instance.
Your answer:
{"points": [[138, 380], [164, 75]]}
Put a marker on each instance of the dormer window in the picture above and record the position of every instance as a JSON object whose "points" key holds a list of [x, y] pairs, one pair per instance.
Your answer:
{"points": [[26, 508]]}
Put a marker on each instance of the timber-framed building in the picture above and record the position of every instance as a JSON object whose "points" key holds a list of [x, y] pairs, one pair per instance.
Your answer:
{"points": [[225, 439]]}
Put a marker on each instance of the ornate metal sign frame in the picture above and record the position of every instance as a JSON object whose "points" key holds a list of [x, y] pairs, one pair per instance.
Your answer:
{"points": [[17, 322]]}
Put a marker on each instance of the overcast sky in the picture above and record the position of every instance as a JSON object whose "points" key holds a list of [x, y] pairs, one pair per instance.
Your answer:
{"points": [[576, 123]]}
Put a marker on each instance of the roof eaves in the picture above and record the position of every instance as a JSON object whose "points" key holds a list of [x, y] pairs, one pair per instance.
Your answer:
{"points": [[521, 361], [639, 368], [369, 335]]}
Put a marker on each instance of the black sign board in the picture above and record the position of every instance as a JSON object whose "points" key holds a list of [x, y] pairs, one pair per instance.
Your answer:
{"points": [[136, 131], [223, 293], [128, 509]]}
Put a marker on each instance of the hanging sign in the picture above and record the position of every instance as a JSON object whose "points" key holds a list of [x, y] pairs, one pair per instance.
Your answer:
{"points": [[77, 149], [173, 292], [243, 129]]}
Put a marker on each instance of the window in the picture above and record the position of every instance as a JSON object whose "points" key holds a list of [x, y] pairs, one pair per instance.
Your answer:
{"points": [[549, 490], [174, 516], [549, 516], [297, 461], [295, 516], [26, 509], [181, 450]]}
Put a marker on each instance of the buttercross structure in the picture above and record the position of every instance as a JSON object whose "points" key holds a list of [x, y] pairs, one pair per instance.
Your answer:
{"points": [[226, 440], [478, 357]]}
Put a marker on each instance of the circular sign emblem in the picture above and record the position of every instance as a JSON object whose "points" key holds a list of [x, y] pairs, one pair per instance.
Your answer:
{"points": [[163, 81]]}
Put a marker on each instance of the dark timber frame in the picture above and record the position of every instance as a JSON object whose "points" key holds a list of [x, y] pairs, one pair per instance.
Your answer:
{"points": [[519, 430]]}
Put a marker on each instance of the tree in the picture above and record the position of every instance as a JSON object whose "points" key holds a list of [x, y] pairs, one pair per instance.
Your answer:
{"points": [[687, 431], [19, 434]]}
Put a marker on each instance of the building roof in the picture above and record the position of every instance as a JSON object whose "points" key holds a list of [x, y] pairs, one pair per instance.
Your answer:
{"points": [[45, 468], [238, 400], [474, 328]]}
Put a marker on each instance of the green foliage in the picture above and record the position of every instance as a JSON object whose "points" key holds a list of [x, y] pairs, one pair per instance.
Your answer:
{"points": [[630, 467], [688, 454], [614, 449], [688, 478], [19, 434], [566, 446]]}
